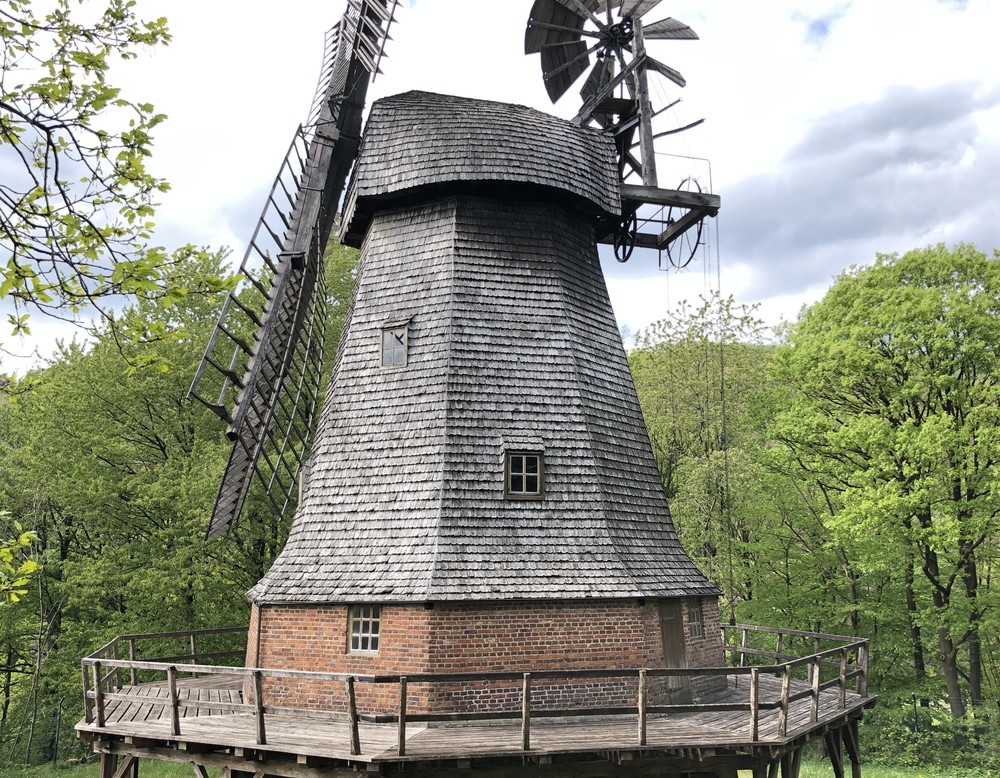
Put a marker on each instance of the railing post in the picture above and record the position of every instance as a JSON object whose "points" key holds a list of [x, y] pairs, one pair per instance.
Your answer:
{"points": [[779, 647], [843, 678], [526, 713], [401, 742], [754, 703], [642, 707], [258, 701], [175, 713], [99, 693], [131, 658], [744, 644], [118, 670], [88, 715], [352, 715], [814, 672], [862, 685], [786, 683], [193, 640]]}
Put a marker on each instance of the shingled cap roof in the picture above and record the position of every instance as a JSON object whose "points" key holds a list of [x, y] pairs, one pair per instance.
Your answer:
{"points": [[418, 143], [512, 345]]}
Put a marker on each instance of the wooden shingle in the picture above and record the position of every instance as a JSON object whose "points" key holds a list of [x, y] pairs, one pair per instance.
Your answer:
{"points": [[512, 344]]}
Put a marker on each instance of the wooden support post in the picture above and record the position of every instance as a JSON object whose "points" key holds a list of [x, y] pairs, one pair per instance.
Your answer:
{"points": [[99, 692], [779, 646], [646, 149], [642, 707], [744, 643], [834, 751], [796, 763], [401, 741], [814, 671], [786, 766], [850, 735], [352, 717], [759, 770], [109, 765], [526, 713], [772, 769], [786, 684], [175, 712], [199, 770], [754, 704], [258, 702], [194, 651], [131, 657], [88, 714]]}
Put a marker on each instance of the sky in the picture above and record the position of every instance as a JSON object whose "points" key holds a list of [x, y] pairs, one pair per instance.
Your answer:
{"points": [[834, 130]]}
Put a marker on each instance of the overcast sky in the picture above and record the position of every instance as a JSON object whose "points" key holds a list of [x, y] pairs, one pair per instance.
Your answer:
{"points": [[834, 130]]}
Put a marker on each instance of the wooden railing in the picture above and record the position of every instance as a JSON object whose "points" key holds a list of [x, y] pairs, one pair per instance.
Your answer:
{"points": [[843, 663]]}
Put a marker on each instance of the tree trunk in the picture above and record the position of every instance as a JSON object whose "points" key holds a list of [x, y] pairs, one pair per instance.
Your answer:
{"points": [[916, 639], [970, 578]]}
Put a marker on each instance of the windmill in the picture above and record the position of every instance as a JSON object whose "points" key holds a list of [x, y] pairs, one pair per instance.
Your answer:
{"points": [[261, 372], [616, 97]]}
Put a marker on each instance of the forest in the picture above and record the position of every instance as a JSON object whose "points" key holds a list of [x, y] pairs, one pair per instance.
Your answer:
{"points": [[840, 476]]}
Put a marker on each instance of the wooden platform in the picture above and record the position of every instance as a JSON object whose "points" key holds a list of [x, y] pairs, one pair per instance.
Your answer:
{"points": [[146, 720]]}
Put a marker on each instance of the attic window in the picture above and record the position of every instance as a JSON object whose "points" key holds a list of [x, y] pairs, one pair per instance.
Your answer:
{"points": [[696, 627], [524, 475], [364, 622], [394, 346]]}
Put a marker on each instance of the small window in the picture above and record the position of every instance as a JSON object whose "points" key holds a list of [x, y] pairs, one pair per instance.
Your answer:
{"points": [[394, 346], [524, 476], [696, 627], [365, 620]]}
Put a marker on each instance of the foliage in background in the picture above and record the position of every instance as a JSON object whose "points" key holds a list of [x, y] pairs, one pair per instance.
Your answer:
{"points": [[116, 473], [848, 480]]}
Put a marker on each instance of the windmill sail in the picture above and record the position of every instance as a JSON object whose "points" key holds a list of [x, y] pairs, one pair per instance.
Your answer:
{"points": [[262, 369]]}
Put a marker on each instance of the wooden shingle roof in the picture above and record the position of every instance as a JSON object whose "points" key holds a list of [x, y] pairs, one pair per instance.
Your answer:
{"points": [[512, 345], [420, 143]]}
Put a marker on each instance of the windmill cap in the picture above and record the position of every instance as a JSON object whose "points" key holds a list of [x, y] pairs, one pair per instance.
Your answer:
{"points": [[420, 146]]}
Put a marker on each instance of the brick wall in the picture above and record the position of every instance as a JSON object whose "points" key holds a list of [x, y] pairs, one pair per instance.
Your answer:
{"points": [[475, 637]]}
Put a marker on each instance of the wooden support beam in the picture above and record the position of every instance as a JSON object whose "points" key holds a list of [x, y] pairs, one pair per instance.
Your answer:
{"points": [[850, 734], [834, 751], [653, 195], [642, 707], [175, 715], [680, 226], [199, 770], [401, 734], [258, 701]]}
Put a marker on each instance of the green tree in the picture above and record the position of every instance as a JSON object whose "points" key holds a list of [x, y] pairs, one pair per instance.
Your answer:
{"points": [[77, 197], [701, 378], [892, 425]]}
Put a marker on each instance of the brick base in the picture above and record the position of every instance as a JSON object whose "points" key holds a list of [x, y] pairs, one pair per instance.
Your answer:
{"points": [[479, 637]]}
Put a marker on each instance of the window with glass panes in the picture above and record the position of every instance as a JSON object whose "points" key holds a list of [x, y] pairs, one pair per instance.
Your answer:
{"points": [[394, 346], [524, 474], [696, 627], [364, 625]]}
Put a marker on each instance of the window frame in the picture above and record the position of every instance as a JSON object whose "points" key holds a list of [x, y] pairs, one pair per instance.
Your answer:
{"points": [[364, 615], [403, 346], [509, 474], [696, 620]]}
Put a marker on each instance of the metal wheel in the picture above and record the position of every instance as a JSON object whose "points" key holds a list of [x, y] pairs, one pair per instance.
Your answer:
{"points": [[682, 249]]}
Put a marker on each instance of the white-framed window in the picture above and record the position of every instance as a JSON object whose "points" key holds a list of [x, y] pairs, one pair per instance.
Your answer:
{"points": [[524, 475], [394, 345], [364, 623], [696, 627]]}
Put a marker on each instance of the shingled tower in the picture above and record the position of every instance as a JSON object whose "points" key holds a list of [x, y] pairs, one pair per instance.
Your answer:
{"points": [[482, 494]]}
